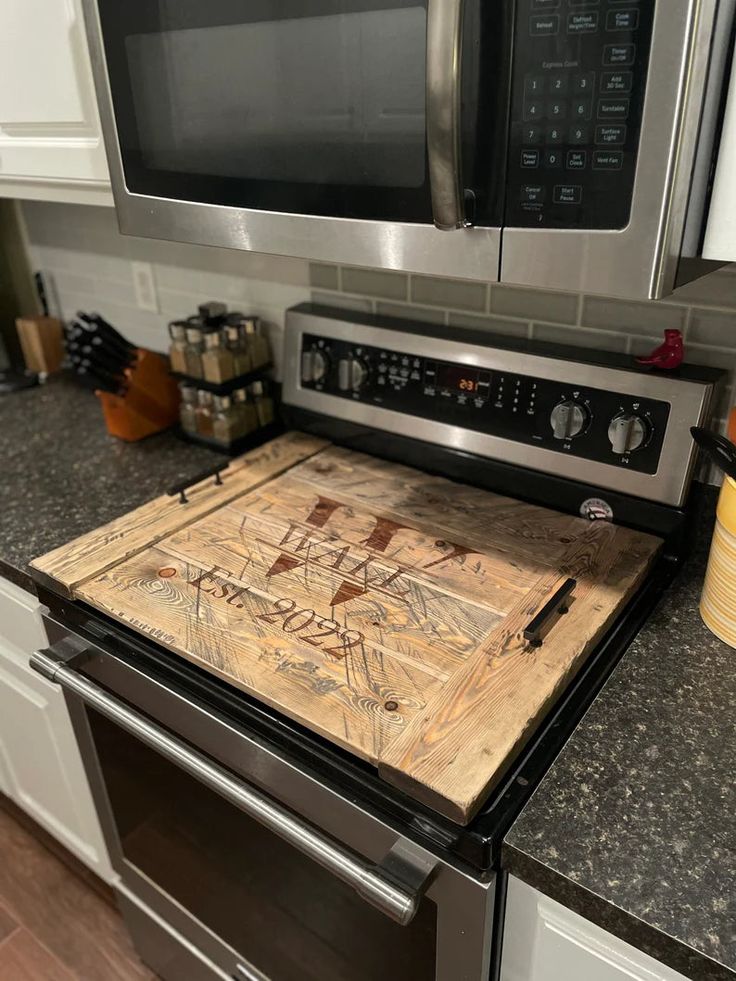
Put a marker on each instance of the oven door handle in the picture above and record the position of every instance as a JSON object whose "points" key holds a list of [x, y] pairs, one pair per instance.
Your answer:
{"points": [[444, 112], [373, 883]]}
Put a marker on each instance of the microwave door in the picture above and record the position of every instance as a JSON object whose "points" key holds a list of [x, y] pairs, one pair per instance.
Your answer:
{"points": [[606, 111], [299, 127]]}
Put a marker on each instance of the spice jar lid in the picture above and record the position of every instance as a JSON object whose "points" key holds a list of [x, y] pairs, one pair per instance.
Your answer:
{"points": [[212, 339], [194, 335], [221, 402], [204, 398], [178, 330]]}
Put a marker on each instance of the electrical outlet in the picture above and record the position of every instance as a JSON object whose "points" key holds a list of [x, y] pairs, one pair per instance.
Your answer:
{"points": [[145, 286]]}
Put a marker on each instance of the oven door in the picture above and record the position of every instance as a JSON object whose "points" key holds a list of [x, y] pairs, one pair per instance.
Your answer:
{"points": [[285, 115], [257, 868]]}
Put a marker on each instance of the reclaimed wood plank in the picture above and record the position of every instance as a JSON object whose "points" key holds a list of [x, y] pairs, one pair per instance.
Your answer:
{"points": [[455, 511], [498, 580], [65, 568], [455, 751], [264, 643]]}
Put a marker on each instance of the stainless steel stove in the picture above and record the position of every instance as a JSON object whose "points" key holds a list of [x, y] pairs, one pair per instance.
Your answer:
{"points": [[250, 848]]}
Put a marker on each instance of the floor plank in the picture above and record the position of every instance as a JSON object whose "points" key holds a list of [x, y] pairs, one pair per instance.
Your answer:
{"points": [[7, 924], [61, 913], [22, 958]]}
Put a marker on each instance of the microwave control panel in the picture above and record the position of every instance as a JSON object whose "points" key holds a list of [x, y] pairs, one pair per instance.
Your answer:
{"points": [[594, 424], [580, 73]]}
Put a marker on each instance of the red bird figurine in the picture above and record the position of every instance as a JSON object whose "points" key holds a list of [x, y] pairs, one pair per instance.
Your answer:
{"points": [[668, 355]]}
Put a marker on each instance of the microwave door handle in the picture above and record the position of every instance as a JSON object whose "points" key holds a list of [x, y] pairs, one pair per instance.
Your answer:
{"points": [[374, 883], [444, 57]]}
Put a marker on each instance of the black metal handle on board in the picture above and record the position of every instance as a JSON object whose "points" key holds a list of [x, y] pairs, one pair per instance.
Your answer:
{"points": [[183, 486], [555, 606]]}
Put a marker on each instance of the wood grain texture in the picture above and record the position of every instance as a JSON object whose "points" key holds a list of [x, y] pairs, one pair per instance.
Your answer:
{"points": [[475, 726], [80, 930], [22, 958], [86, 556], [384, 609]]}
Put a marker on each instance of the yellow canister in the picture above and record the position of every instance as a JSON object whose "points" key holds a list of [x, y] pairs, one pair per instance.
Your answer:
{"points": [[718, 602]]}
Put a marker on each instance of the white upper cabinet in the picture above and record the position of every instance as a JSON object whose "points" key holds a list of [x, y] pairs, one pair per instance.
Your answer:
{"points": [[720, 237], [50, 138]]}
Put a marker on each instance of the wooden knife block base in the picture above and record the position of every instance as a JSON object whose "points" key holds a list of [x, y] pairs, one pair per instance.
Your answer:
{"points": [[151, 403]]}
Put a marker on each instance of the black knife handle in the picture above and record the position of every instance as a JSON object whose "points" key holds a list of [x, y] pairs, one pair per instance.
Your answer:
{"points": [[184, 485], [553, 607]]}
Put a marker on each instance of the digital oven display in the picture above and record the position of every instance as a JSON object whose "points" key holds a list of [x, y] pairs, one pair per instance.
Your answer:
{"points": [[458, 378]]}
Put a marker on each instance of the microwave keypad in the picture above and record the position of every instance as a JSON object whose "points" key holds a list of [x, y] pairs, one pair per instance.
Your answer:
{"points": [[578, 93]]}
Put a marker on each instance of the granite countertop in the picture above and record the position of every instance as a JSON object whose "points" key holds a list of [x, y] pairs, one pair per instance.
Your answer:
{"points": [[634, 826], [62, 475]]}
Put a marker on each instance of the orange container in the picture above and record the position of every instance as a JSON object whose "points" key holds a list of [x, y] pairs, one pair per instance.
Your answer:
{"points": [[150, 404]]}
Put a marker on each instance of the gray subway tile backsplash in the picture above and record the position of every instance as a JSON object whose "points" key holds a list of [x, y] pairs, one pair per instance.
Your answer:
{"points": [[547, 305], [407, 311], [375, 282], [714, 327], [580, 337], [357, 303], [323, 276], [88, 264], [492, 325], [457, 294], [630, 317]]}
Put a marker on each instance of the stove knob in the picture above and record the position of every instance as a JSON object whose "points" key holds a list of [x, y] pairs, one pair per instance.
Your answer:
{"points": [[627, 433], [569, 419], [314, 366], [351, 374]]}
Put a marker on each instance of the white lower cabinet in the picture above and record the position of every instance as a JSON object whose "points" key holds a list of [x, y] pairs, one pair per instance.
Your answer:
{"points": [[544, 941], [40, 766]]}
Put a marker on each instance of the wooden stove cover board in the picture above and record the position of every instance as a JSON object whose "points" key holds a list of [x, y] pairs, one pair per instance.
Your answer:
{"points": [[380, 607]]}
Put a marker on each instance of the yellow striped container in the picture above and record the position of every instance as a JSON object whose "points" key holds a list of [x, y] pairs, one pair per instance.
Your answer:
{"points": [[718, 602]]}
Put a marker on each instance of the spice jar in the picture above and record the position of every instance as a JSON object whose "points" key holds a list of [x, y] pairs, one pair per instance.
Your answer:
{"points": [[217, 360], [236, 346], [194, 349], [263, 403], [188, 408], [255, 343], [225, 420], [204, 413], [178, 348], [246, 411]]}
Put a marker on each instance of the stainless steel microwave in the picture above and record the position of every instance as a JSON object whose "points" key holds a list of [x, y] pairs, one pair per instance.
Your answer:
{"points": [[556, 143]]}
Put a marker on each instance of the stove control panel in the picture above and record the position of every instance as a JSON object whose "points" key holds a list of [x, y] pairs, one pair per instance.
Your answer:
{"points": [[570, 418], [594, 418]]}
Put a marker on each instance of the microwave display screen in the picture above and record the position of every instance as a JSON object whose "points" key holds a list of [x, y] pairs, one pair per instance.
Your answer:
{"points": [[322, 99]]}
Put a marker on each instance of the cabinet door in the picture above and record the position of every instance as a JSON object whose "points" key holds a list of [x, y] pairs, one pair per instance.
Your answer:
{"points": [[544, 941], [720, 236], [40, 766], [49, 126]]}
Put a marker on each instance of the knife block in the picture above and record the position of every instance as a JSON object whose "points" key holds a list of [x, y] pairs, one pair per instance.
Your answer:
{"points": [[150, 403]]}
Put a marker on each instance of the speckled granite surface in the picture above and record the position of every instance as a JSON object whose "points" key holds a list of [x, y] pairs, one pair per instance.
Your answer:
{"points": [[634, 826], [61, 474]]}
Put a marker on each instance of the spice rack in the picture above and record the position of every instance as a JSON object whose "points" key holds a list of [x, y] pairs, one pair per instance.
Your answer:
{"points": [[220, 360]]}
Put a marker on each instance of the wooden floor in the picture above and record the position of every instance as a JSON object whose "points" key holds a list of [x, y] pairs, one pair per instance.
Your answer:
{"points": [[55, 924]]}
